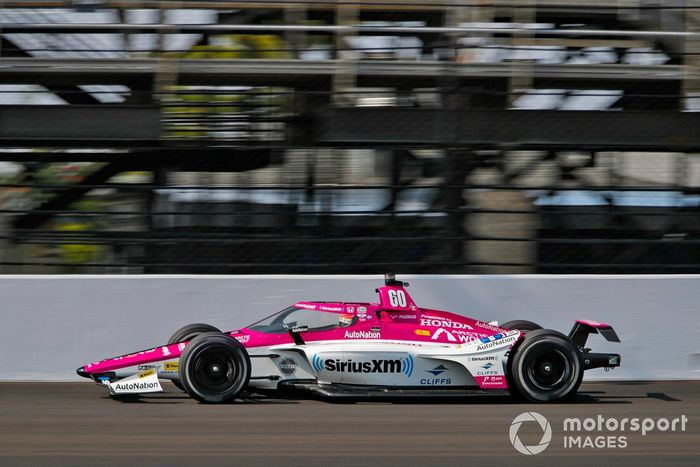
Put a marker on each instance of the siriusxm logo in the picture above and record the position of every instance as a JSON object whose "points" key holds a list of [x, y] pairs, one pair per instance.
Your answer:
{"points": [[397, 365]]}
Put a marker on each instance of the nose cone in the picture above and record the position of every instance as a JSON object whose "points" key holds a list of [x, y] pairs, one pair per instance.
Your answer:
{"points": [[81, 371]]}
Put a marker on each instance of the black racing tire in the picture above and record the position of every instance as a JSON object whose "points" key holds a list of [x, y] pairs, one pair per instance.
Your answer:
{"points": [[524, 327], [546, 367], [520, 325], [187, 333], [214, 368]]}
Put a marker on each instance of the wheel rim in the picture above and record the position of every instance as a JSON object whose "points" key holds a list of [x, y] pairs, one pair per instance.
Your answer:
{"points": [[548, 369], [216, 370]]}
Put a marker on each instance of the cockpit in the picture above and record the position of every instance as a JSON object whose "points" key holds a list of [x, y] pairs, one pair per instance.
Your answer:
{"points": [[311, 320]]}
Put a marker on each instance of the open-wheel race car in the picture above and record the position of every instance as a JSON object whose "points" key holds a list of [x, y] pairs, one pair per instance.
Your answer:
{"points": [[355, 350]]}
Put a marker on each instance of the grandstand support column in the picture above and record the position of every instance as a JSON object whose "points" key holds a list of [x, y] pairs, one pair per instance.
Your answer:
{"points": [[159, 178], [125, 35], [8, 252], [456, 14], [475, 11], [300, 131], [522, 72], [345, 76], [456, 173], [396, 156], [295, 14], [166, 68], [691, 79], [478, 11]]}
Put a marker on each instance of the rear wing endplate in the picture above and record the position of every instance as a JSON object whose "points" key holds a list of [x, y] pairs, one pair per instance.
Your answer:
{"points": [[582, 328]]}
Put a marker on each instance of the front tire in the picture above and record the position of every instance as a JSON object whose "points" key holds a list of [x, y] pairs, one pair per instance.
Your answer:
{"points": [[547, 367], [187, 333], [214, 368]]}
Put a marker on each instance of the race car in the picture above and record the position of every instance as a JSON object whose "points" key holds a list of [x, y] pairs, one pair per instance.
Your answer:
{"points": [[393, 348]]}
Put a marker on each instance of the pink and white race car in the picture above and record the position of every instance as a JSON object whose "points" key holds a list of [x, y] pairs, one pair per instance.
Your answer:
{"points": [[355, 350]]}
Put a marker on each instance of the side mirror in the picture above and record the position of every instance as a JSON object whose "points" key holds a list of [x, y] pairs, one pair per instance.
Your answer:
{"points": [[295, 333]]}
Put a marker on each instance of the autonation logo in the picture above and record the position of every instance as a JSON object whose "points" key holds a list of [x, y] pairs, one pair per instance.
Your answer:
{"points": [[592, 432], [135, 386]]}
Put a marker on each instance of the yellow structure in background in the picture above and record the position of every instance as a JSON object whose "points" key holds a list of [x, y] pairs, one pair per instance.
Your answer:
{"points": [[76, 253], [192, 113], [238, 47]]}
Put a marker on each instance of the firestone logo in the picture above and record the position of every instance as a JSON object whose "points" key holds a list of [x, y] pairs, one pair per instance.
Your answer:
{"points": [[546, 433]]}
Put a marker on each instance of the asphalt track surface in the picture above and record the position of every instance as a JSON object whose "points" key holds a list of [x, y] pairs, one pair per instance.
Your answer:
{"points": [[78, 424]]}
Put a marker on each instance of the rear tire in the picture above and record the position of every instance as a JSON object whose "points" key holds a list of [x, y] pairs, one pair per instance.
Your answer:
{"points": [[187, 333], [524, 327], [520, 325], [547, 367], [214, 368]]}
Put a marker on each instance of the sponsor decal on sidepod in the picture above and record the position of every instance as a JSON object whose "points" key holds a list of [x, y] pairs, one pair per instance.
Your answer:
{"points": [[437, 371], [396, 365], [242, 338], [443, 323], [363, 334], [148, 367], [491, 327], [146, 381], [288, 366], [498, 342], [461, 335], [482, 358]]}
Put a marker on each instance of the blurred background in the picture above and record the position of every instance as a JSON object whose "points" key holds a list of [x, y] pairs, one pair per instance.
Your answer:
{"points": [[358, 136]]}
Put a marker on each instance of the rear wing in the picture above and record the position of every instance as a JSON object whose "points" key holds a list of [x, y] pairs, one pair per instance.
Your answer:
{"points": [[582, 328]]}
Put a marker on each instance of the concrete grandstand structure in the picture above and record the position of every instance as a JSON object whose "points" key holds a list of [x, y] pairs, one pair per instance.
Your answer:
{"points": [[238, 137]]}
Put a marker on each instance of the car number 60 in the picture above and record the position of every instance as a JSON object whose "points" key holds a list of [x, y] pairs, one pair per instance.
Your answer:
{"points": [[397, 298]]}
